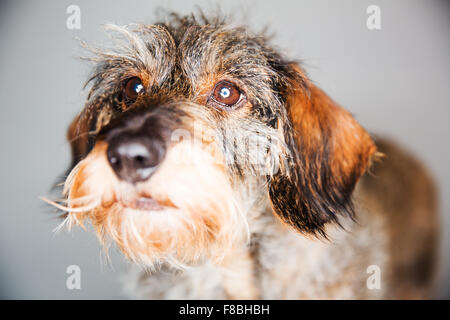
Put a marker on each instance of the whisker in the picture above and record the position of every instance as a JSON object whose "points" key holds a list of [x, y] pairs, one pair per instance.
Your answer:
{"points": [[68, 209], [59, 227]]}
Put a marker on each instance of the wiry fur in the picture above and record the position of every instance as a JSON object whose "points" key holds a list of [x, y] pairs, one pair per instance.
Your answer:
{"points": [[288, 154]]}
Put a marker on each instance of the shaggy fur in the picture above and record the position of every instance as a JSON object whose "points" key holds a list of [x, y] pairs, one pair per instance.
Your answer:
{"points": [[251, 200]]}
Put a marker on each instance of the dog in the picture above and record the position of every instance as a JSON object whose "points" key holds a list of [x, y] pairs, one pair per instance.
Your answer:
{"points": [[223, 172]]}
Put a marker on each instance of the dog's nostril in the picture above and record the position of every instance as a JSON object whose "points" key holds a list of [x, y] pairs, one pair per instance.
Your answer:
{"points": [[140, 159], [134, 160]]}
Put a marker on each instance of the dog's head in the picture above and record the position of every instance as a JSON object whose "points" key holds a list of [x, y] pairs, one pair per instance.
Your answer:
{"points": [[192, 127]]}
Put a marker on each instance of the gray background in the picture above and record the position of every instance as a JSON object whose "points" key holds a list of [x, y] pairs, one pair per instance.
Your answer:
{"points": [[395, 81]]}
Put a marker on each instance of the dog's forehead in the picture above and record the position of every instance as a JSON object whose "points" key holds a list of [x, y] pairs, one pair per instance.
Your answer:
{"points": [[231, 51], [198, 51]]}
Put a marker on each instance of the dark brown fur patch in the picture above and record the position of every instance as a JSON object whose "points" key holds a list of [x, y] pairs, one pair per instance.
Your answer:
{"points": [[330, 152]]}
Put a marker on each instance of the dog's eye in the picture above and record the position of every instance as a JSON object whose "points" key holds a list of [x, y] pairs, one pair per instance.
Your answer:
{"points": [[132, 89], [226, 94]]}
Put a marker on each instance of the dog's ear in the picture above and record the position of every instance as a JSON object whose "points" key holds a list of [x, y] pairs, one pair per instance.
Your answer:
{"points": [[80, 135], [329, 151]]}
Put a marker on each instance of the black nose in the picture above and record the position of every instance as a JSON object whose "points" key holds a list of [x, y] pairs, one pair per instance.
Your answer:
{"points": [[134, 159]]}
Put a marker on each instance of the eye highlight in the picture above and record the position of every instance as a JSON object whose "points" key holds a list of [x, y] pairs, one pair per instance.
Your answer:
{"points": [[132, 89], [226, 94]]}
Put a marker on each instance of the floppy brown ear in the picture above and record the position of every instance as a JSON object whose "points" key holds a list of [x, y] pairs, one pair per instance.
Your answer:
{"points": [[329, 153], [80, 136]]}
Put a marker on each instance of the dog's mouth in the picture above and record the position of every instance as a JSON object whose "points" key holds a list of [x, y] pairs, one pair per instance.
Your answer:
{"points": [[146, 203]]}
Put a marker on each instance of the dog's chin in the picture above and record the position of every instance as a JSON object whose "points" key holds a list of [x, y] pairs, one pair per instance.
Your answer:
{"points": [[152, 234]]}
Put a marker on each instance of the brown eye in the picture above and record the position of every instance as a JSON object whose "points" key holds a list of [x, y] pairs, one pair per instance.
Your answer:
{"points": [[133, 88], [226, 94]]}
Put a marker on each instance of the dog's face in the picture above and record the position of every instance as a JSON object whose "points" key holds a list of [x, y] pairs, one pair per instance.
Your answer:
{"points": [[191, 128]]}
